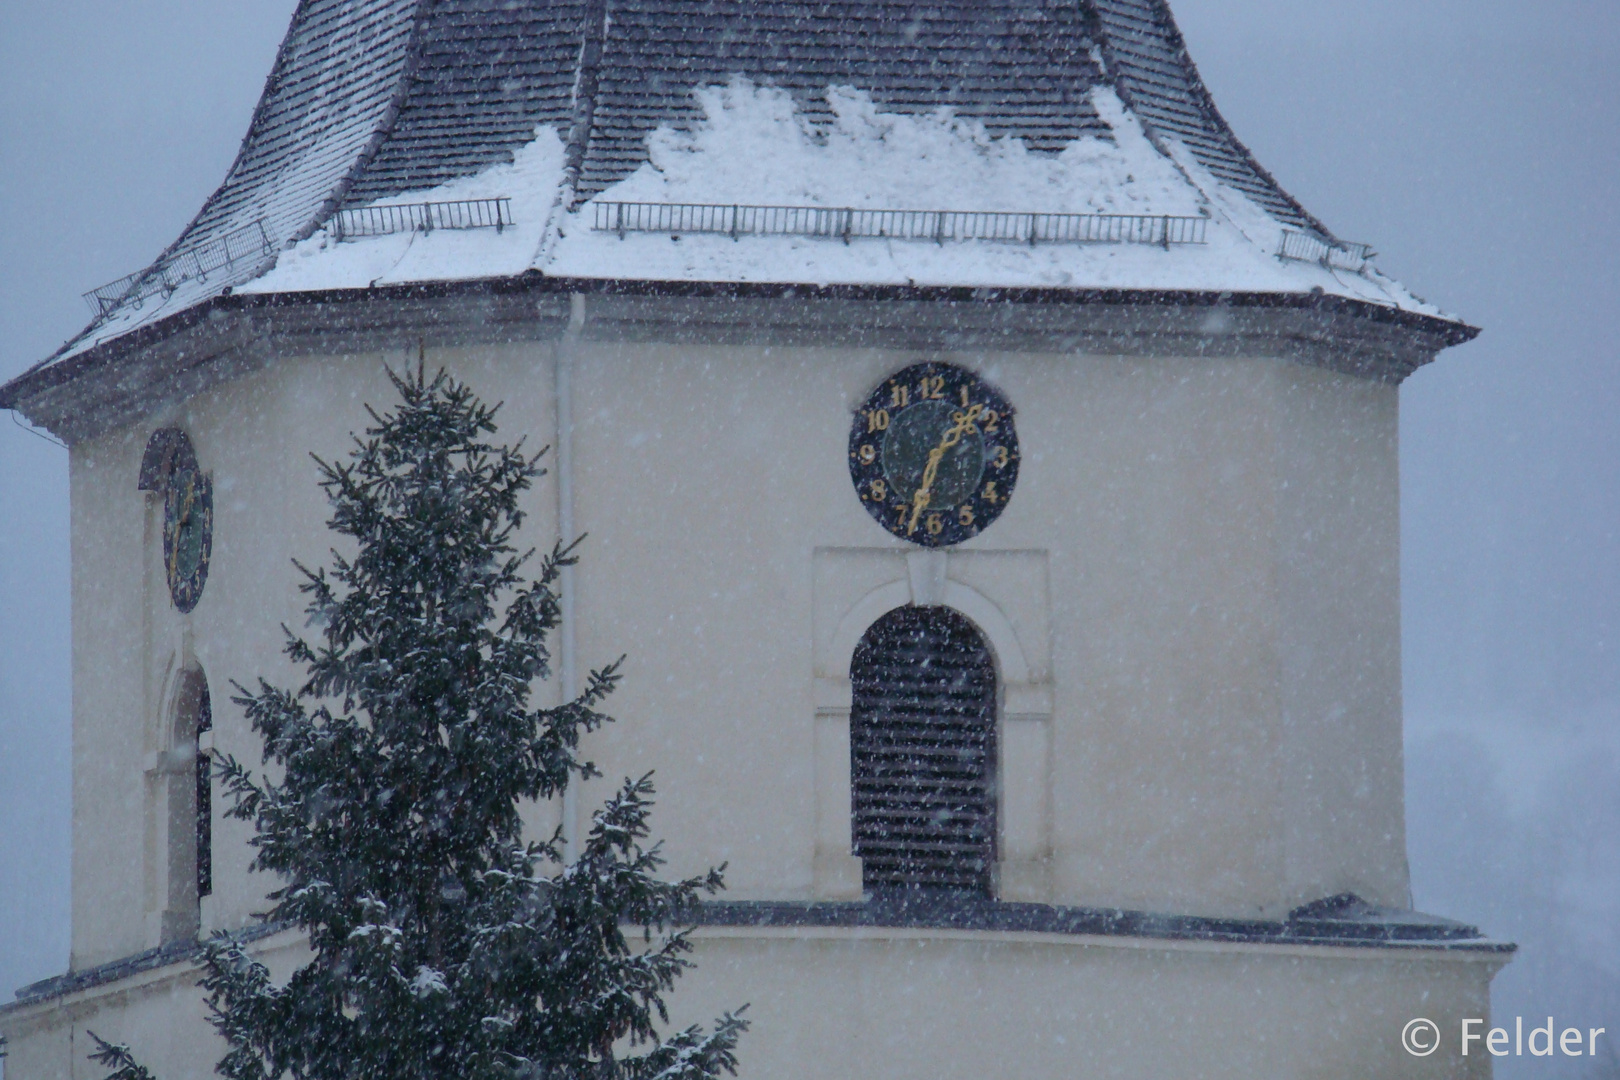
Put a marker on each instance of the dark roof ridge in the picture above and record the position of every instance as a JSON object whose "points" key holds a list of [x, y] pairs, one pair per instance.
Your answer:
{"points": [[385, 126], [284, 71], [592, 38], [312, 21], [260, 107], [1128, 75]]}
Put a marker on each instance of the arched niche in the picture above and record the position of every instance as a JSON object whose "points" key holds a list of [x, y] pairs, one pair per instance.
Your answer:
{"points": [[168, 452], [185, 799]]}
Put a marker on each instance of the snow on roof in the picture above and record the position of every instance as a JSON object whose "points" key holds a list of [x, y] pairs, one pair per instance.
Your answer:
{"points": [[756, 146], [1029, 106]]}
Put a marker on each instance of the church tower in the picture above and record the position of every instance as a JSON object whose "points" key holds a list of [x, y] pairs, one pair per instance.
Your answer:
{"points": [[989, 468]]}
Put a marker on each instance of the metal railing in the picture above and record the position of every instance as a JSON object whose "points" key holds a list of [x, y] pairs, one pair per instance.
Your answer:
{"points": [[936, 225], [222, 256], [1304, 247], [422, 217]]}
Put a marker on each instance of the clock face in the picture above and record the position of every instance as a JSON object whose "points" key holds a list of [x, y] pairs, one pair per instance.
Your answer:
{"points": [[933, 454], [188, 533]]}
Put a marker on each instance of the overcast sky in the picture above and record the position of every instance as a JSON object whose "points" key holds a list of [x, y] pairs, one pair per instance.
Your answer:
{"points": [[1473, 142]]}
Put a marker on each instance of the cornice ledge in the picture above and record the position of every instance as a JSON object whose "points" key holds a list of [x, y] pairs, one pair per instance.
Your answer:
{"points": [[92, 391]]}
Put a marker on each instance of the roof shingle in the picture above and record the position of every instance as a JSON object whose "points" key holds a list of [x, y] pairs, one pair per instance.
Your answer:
{"points": [[369, 99]]}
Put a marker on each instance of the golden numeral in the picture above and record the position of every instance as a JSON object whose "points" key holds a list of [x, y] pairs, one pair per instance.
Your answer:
{"points": [[965, 402], [990, 495], [877, 420], [867, 454], [879, 490], [902, 396], [936, 524], [905, 512], [1001, 457], [991, 418], [931, 387], [965, 515]]}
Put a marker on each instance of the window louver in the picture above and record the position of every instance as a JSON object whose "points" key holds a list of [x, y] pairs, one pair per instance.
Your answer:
{"points": [[205, 799], [922, 743]]}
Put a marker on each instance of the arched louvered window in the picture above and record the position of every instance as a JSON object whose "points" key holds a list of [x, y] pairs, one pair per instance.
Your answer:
{"points": [[205, 796], [923, 752], [189, 802]]}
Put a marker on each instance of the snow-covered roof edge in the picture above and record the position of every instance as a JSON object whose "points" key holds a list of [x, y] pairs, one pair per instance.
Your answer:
{"points": [[372, 99], [118, 382]]}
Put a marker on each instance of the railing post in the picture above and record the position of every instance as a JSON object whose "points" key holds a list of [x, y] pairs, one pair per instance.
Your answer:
{"points": [[1166, 232]]}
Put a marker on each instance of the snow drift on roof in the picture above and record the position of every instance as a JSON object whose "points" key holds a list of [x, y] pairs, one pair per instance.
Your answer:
{"points": [[755, 145]]}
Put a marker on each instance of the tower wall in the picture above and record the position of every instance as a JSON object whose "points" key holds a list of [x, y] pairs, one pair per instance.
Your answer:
{"points": [[1192, 597]]}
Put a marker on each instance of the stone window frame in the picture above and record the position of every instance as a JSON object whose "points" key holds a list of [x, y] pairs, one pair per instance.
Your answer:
{"points": [[1024, 708]]}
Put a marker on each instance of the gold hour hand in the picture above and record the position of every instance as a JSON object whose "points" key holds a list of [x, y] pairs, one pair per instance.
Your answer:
{"points": [[919, 500], [180, 518], [961, 424]]}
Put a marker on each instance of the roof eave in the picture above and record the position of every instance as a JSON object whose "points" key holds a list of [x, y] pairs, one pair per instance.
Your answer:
{"points": [[1427, 334]]}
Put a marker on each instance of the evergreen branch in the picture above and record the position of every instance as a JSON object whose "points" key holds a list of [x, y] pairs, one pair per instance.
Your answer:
{"points": [[117, 1059]]}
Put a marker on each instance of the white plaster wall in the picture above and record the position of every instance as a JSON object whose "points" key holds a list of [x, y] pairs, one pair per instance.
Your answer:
{"points": [[110, 691], [941, 1005], [1340, 755], [255, 436], [160, 1014], [1198, 570], [1160, 497], [927, 1005]]}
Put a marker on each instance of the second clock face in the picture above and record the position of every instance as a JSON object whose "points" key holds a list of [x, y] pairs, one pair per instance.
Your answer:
{"points": [[933, 454], [188, 533]]}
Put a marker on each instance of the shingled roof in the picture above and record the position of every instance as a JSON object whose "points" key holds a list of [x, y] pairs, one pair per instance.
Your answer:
{"points": [[373, 99]]}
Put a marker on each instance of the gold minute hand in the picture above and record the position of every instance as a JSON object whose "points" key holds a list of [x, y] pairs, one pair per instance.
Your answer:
{"points": [[961, 424], [187, 499]]}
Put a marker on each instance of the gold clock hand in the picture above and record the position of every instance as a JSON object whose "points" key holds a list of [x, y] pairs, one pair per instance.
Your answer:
{"points": [[188, 499], [961, 424]]}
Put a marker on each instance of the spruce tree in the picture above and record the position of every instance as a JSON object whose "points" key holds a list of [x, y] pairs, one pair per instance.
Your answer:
{"points": [[444, 945]]}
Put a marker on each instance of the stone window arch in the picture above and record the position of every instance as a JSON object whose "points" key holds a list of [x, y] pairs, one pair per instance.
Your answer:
{"points": [[187, 799], [923, 752]]}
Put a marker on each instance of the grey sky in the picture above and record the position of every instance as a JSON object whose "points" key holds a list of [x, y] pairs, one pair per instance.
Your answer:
{"points": [[1473, 142]]}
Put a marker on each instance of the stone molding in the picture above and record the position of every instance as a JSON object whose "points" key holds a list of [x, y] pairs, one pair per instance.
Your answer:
{"points": [[846, 603], [230, 336]]}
